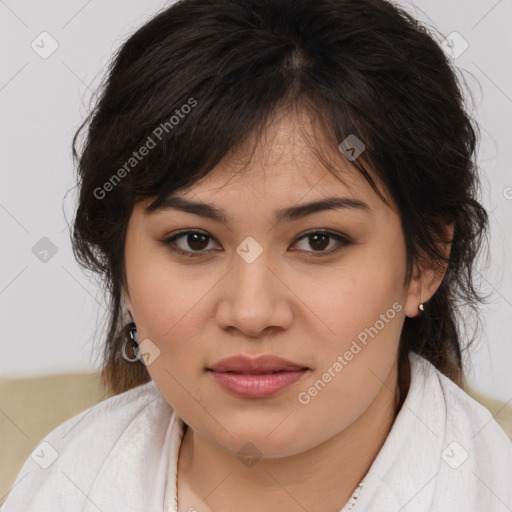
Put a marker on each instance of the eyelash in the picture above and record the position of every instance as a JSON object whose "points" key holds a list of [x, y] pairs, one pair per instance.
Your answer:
{"points": [[169, 242]]}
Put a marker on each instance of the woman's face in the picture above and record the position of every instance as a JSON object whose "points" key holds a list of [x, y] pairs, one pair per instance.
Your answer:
{"points": [[257, 284]]}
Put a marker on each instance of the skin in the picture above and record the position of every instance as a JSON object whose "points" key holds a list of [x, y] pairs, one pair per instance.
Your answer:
{"points": [[295, 301]]}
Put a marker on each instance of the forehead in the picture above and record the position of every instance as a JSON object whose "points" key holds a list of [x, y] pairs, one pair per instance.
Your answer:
{"points": [[284, 163], [288, 156]]}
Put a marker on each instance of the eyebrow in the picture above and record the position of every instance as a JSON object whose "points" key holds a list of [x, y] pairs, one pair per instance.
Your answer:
{"points": [[283, 215]]}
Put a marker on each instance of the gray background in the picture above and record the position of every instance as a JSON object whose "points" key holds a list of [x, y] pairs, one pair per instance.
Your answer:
{"points": [[51, 312]]}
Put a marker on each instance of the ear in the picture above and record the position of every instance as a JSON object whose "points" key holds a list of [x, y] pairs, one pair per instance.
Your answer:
{"points": [[125, 297], [427, 280]]}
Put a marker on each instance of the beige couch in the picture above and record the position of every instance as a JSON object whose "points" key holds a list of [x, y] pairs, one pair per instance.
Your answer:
{"points": [[32, 407]]}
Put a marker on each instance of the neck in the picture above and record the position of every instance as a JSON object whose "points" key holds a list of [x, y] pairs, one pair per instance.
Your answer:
{"points": [[320, 479]]}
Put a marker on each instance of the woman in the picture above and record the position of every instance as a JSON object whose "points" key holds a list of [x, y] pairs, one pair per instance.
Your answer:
{"points": [[281, 198]]}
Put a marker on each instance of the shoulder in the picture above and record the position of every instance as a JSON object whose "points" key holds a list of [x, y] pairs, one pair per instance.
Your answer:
{"points": [[116, 410], [473, 446], [112, 415], [118, 430], [462, 412]]}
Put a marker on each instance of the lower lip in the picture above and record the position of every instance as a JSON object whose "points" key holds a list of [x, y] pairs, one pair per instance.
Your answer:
{"points": [[257, 386]]}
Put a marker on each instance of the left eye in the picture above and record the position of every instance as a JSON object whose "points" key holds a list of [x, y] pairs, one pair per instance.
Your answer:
{"points": [[319, 240], [198, 241]]}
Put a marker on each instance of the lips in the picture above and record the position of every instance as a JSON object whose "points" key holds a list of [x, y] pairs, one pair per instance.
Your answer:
{"points": [[265, 364], [260, 377]]}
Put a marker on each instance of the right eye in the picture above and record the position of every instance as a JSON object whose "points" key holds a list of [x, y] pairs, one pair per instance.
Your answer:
{"points": [[197, 241]]}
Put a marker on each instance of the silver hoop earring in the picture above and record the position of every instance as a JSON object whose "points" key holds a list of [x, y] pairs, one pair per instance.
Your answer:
{"points": [[133, 335], [133, 339]]}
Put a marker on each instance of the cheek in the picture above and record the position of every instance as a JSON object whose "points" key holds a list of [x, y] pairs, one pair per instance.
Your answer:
{"points": [[174, 310], [170, 312], [363, 307], [353, 298], [165, 296], [365, 314]]}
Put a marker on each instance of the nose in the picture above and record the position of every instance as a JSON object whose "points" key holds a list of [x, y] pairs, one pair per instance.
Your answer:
{"points": [[255, 300]]}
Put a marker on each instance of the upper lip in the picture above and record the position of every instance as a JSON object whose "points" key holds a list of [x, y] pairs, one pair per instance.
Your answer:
{"points": [[265, 363]]}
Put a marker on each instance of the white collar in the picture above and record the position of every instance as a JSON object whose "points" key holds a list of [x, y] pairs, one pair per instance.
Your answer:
{"points": [[412, 471]]}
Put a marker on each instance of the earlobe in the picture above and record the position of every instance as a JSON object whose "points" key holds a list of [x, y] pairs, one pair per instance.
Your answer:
{"points": [[421, 291], [414, 299], [426, 282]]}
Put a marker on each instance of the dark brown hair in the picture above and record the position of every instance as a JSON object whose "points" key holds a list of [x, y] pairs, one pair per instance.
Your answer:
{"points": [[206, 74]]}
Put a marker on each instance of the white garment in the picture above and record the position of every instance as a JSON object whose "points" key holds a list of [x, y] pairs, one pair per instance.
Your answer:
{"points": [[115, 457]]}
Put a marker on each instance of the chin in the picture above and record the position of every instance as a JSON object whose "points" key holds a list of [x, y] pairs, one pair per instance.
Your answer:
{"points": [[257, 441]]}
